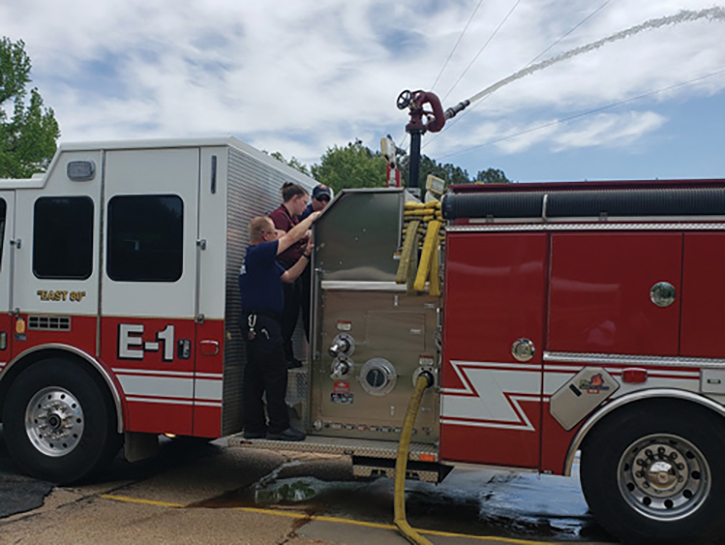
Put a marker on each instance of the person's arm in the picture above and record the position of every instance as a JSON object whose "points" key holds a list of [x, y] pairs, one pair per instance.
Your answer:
{"points": [[297, 233], [293, 273]]}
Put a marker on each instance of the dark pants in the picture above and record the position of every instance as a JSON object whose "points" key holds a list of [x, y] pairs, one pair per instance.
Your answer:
{"points": [[266, 371], [296, 297]]}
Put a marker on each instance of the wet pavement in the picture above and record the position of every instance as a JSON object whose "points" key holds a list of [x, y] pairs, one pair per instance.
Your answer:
{"points": [[476, 502], [289, 498]]}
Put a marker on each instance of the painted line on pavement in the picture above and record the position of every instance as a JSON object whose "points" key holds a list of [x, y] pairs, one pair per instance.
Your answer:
{"points": [[322, 518]]}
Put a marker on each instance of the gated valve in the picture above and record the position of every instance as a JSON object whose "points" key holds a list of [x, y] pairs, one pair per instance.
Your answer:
{"points": [[341, 368], [343, 344]]}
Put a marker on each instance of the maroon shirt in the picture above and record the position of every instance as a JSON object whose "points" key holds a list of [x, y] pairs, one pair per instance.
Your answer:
{"points": [[283, 221]]}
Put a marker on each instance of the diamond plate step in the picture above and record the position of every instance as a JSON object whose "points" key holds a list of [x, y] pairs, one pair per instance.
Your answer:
{"points": [[370, 458], [419, 452]]}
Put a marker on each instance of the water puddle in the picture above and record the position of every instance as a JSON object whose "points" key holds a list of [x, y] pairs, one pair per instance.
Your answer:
{"points": [[477, 502]]}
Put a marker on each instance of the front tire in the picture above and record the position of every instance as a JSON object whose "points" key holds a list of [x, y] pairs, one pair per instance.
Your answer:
{"points": [[58, 422], [656, 473]]}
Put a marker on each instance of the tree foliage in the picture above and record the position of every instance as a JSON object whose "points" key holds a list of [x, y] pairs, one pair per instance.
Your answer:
{"points": [[491, 176], [451, 173], [28, 135], [355, 165], [351, 166], [294, 162]]}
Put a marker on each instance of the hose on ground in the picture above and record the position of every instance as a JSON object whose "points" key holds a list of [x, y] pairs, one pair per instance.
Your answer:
{"points": [[424, 381]]}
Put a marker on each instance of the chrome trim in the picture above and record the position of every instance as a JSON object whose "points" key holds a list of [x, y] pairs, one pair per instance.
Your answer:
{"points": [[90, 359], [350, 285], [346, 446], [626, 400], [587, 224], [465, 466], [627, 359], [101, 251]]}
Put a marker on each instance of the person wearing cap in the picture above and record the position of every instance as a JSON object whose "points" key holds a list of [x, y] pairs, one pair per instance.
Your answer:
{"points": [[321, 195]]}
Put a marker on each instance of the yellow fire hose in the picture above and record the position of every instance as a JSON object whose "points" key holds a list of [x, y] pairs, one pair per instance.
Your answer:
{"points": [[421, 219], [424, 381], [430, 251], [410, 245]]}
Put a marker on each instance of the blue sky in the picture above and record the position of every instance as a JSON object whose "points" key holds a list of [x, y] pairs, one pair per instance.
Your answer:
{"points": [[298, 76]]}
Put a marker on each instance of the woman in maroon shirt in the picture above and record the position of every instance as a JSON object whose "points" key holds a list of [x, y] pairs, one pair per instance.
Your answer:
{"points": [[294, 199]]}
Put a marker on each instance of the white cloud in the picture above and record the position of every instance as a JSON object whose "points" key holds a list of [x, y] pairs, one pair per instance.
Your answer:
{"points": [[300, 76], [608, 130]]}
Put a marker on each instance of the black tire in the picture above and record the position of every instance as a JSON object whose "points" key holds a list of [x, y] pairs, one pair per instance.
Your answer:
{"points": [[59, 423], [655, 473]]}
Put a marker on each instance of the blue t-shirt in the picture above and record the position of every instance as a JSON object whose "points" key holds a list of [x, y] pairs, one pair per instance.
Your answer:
{"points": [[307, 212], [260, 283]]}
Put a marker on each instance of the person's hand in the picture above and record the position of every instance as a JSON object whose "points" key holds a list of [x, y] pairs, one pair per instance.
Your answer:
{"points": [[315, 215], [310, 245]]}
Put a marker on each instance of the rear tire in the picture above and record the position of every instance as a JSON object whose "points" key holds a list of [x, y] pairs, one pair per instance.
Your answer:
{"points": [[656, 473], [59, 423]]}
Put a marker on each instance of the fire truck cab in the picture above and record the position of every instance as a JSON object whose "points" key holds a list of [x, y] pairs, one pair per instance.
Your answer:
{"points": [[119, 300]]}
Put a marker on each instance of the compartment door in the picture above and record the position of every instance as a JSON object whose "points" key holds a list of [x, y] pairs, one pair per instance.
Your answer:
{"points": [[600, 293], [494, 296], [149, 284], [703, 295]]}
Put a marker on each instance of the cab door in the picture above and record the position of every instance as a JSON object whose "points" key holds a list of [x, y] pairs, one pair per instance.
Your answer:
{"points": [[7, 207], [55, 256], [149, 284]]}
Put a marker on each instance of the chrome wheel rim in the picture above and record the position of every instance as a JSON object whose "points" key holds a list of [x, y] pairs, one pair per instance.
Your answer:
{"points": [[54, 421], [664, 477]]}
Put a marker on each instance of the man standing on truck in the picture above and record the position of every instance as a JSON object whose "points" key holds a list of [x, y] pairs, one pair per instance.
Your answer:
{"points": [[260, 286], [321, 196]]}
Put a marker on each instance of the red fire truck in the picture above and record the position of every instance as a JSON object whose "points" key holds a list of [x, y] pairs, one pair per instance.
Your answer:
{"points": [[578, 317]]}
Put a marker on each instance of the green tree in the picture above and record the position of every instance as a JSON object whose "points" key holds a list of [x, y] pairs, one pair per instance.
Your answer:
{"points": [[451, 173], [492, 176], [294, 162], [351, 166], [28, 138]]}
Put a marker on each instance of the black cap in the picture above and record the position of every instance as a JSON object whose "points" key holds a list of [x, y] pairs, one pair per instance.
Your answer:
{"points": [[322, 192]]}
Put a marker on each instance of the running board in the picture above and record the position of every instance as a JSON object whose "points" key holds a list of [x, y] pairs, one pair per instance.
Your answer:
{"points": [[370, 458]]}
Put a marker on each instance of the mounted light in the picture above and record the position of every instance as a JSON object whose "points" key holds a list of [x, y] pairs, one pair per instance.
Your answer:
{"points": [[81, 171]]}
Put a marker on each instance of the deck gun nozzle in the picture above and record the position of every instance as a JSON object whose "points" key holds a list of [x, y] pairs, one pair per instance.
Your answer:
{"points": [[451, 112]]}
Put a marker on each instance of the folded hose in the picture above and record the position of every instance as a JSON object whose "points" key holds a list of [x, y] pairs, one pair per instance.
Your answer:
{"points": [[424, 381], [424, 233]]}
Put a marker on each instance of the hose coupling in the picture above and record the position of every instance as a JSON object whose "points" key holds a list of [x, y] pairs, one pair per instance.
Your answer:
{"points": [[451, 112]]}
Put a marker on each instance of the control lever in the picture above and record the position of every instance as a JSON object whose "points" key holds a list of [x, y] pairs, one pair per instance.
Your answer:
{"points": [[343, 344], [341, 368]]}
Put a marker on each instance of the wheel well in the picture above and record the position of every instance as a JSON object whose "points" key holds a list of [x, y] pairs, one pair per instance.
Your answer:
{"points": [[655, 399], [30, 359], [656, 404]]}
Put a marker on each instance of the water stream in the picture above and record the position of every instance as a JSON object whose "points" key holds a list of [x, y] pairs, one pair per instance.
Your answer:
{"points": [[716, 13]]}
